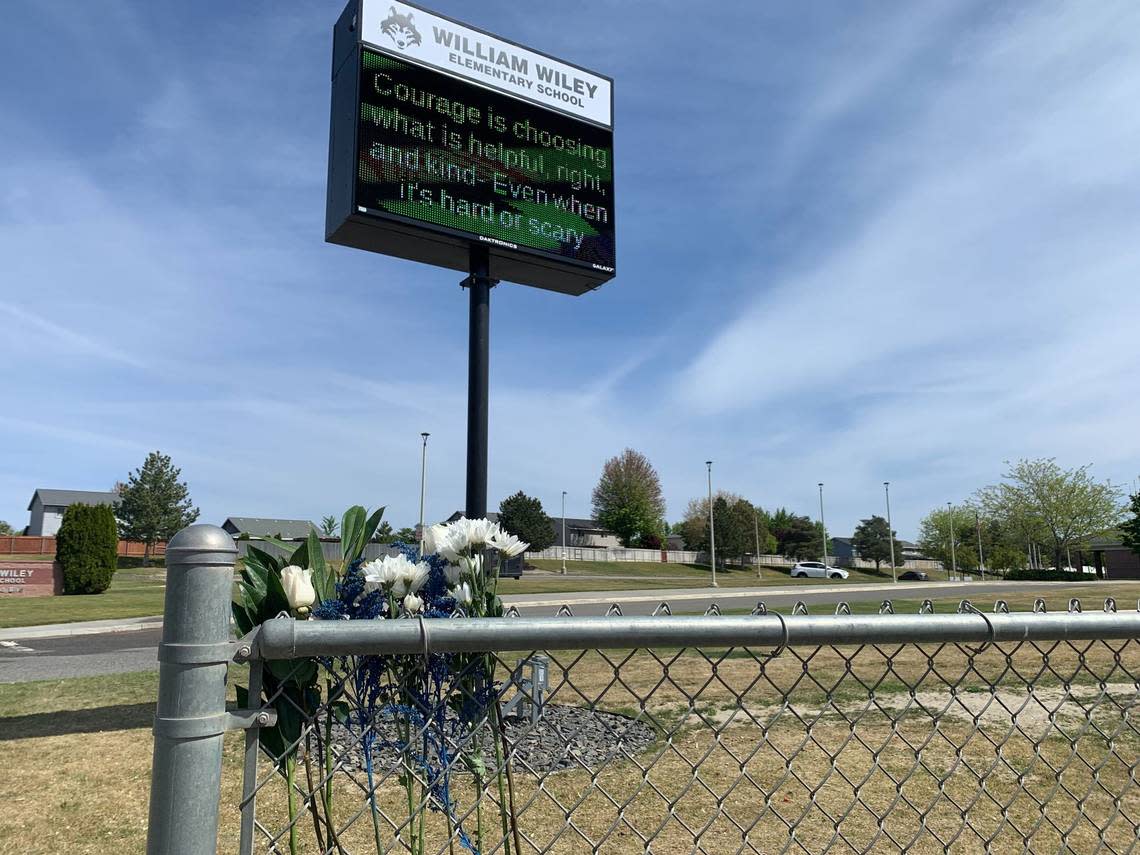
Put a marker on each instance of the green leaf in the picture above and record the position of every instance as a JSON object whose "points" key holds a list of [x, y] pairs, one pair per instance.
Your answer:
{"points": [[370, 528], [269, 562], [287, 548], [350, 530], [323, 577]]}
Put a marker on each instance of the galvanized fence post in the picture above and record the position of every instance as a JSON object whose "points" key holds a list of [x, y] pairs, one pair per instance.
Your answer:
{"points": [[191, 716]]}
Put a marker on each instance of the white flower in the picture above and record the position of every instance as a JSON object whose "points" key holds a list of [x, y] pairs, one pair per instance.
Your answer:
{"points": [[470, 535], [410, 577], [470, 566], [298, 585], [413, 604], [378, 574], [452, 573], [508, 544], [462, 594], [433, 537], [395, 573]]}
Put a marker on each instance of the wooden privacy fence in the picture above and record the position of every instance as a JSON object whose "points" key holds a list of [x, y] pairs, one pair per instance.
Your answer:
{"points": [[23, 545]]}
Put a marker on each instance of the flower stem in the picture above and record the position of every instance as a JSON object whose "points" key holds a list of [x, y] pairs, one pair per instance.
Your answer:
{"points": [[290, 770]]}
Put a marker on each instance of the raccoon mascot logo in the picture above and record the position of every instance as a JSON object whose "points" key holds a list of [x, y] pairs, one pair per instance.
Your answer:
{"points": [[400, 29]]}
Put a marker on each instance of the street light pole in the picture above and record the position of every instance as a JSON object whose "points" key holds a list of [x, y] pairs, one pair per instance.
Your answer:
{"points": [[822, 524], [981, 558], [756, 527], [423, 485], [953, 557], [563, 532], [890, 531], [712, 530]]}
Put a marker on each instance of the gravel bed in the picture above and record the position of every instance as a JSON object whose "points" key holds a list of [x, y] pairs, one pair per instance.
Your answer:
{"points": [[564, 737]]}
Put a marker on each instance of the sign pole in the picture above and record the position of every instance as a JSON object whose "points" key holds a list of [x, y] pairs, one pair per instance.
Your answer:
{"points": [[479, 283]]}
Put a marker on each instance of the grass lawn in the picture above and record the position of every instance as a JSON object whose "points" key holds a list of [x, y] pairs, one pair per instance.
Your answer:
{"points": [[1056, 599], [678, 575], [77, 754], [132, 594]]}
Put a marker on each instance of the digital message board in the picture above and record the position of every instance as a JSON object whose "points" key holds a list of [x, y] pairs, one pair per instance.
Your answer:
{"points": [[443, 136]]}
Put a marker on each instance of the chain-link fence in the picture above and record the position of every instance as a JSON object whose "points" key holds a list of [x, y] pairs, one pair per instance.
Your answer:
{"points": [[928, 733], [761, 733]]}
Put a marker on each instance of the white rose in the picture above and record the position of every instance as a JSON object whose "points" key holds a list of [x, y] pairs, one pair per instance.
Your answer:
{"points": [[413, 604], [298, 585]]}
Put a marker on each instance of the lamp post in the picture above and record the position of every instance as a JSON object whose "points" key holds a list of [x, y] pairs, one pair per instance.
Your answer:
{"points": [[712, 531], [981, 558], [822, 524], [563, 532], [890, 531], [423, 484], [756, 529], [953, 557]]}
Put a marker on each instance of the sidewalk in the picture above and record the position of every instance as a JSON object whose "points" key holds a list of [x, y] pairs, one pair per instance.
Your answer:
{"points": [[570, 598], [89, 627]]}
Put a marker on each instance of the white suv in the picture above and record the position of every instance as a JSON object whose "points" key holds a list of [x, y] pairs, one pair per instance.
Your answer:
{"points": [[803, 569]]}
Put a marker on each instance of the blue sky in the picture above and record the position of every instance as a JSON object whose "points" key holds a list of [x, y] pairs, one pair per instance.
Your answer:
{"points": [[857, 242]]}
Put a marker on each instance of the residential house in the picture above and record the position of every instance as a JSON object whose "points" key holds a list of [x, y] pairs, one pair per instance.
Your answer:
{"points": [[579, 532], [47, 507], [263, 527]]}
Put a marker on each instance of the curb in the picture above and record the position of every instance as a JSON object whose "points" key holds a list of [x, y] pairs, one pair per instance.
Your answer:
{"points": [[63, 630]]}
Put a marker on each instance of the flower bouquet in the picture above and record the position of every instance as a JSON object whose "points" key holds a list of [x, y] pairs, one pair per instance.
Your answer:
{"points": [[433, 712]]}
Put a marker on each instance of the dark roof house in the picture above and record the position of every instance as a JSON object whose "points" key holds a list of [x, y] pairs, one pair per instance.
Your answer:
{"points": [[47, 507], [264, 527]]}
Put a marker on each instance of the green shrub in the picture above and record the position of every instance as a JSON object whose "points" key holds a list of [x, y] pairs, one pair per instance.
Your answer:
{"points": [[86, 548], [1043, 574]]}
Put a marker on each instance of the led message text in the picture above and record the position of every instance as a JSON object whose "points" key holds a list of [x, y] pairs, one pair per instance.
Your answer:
{"points": [[451, 155]]}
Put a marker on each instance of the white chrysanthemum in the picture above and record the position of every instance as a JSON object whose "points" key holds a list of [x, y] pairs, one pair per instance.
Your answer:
{"points": [[461, 593], [508, 544], [433, 537], [394, 573], [413, 604], [452, 573], [410, 577]]}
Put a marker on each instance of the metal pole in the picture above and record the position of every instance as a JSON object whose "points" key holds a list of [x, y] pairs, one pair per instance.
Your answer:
{"points": [[756, 527], [891, 532], [478, 379], [822, 524], [953, 558], [423, 483], [190, 718], [712, 530], [563, 532], [981, 556]]}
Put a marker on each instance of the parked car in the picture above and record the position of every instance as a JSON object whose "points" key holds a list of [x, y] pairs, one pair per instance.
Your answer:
{"points": [[913, 576], [818, 569]]}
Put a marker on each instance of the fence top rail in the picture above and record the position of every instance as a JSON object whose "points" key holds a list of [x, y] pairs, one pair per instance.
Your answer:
{"points": [[286, 638]]}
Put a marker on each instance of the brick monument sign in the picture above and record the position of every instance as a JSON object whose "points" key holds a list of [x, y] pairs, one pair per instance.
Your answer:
{"points": [[30, 578]]}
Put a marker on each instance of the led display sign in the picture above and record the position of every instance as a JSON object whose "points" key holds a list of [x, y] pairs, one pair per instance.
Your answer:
{"points": [[443, 136]]}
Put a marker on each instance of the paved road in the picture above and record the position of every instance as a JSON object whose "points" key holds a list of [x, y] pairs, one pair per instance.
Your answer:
{"points": [[38, 658]]}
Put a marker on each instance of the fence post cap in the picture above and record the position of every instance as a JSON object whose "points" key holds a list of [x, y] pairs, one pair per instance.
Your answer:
{"points": [[202, 537]]}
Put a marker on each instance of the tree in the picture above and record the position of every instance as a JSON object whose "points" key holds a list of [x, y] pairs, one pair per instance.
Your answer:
{"points": [[934, 538], [627, 499], [873, 540], [155, 504], [405, 535], [523, 516], [1130, 529], [5, 529], [86, 548], [384, 533], [329, 525], [797, 537], [1068, 504]]}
